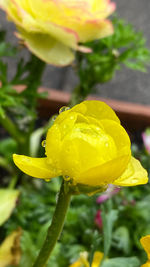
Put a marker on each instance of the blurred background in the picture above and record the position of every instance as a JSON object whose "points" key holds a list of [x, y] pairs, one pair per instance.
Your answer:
{"points": [[128, 85]]}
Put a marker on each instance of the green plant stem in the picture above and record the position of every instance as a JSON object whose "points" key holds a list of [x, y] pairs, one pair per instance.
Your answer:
{"points": [[31, 93], [11, 128], [13, 182], [56, 226], [4, 164]]}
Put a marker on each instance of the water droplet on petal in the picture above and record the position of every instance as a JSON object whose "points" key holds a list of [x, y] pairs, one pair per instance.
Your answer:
{"points": [[64, 108], [54, 117], [66, 178], [43, 143], [134, 180]]}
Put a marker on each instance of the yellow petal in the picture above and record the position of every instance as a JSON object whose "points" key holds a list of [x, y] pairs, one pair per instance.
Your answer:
{"points": [[78, 263], [96, 109], [147, 264], [134, 174], [53, 146], [10, 252], [105, 173], [66, 36], [98, 256], [47, 48], [84, 147], [105, 6], [90, 30], [91, 108], [119, 135], [36, 167], [12, 10], [145, 242]]}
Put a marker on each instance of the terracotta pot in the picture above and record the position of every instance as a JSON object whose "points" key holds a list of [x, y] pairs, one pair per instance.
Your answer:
{"points": [[134, 117]]}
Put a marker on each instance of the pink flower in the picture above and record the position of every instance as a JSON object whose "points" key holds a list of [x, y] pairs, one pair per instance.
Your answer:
{"points": [[111, 190]]}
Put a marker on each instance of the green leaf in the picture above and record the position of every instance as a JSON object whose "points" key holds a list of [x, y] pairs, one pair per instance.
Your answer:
{"points": [[35, 139], [8, 146], [8, 200], [108, 219], [29, 250], [122, 239], [135, 66], [121, 262], [7, 50]]}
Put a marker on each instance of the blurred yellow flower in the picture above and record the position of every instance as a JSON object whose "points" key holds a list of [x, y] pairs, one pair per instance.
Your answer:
{"points": [[87, 145], [52, 29], [10, 249], [145, 241], [83, 261]]}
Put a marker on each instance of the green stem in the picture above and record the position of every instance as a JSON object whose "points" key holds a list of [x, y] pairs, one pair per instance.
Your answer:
{"points": [[5, 164], [13, 182], [36, 68], [34, 80], [11, 128], [55, 228]]}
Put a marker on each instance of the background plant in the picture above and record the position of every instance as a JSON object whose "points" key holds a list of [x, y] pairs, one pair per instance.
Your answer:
{"points": [[125, 47]]}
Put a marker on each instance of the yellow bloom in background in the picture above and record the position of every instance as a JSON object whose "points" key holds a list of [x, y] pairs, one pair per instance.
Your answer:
{"points": [[10, 249], [52, 29], [87, 145], [145, 241], [83, 260]]}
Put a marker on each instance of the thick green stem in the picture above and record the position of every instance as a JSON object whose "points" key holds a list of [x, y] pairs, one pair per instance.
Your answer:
{"points": [[55, 228]]}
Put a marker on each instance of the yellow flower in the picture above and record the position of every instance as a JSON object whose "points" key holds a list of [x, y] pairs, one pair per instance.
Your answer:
{"points": [[145, 241], [83, 261], [88, 145], [53, 28]]}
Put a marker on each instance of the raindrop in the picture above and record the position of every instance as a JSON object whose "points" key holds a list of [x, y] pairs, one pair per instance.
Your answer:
{"points": [[64, 108], [54, 117], [66, 178], [43, 143]]}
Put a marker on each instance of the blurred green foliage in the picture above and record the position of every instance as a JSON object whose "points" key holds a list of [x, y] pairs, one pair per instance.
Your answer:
{"points": [[125, 47]]}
